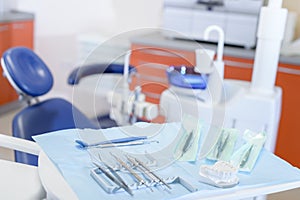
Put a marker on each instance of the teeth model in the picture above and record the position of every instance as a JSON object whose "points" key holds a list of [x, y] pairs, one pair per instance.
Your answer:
{"points": [[221, 174]]}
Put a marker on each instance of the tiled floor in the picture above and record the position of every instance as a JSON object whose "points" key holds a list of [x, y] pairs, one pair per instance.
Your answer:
{"points": [[5, 128]]}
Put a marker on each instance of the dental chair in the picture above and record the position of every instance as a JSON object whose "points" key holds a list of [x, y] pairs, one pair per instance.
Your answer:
{"points": [[19, 181], [91, 85], [31, 78]]}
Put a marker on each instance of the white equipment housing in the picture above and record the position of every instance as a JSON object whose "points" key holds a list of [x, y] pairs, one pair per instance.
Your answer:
{"points": [[241, 109], [238, 19], [243, 105]]}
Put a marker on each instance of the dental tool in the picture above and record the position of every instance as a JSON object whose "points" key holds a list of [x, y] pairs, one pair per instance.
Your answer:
{"points": [[224, 145], [186, 145], [113, 141], [221, 144], [147, 171], [136, 164], [246, 157], [124, 144], [116, 179], [140, 180], [126, 187]]}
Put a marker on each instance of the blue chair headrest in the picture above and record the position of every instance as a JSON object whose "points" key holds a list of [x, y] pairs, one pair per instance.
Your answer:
{"points": [[27, 70]]}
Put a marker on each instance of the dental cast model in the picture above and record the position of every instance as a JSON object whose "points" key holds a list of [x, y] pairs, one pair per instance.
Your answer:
{"points": [[221, 174]]}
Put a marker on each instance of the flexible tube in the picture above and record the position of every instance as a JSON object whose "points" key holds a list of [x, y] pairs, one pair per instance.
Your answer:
{"points": [[220, 40]]}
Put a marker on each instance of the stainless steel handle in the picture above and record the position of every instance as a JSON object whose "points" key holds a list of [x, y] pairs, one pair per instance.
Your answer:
{"points": [[18, 26], [160, 52], [281, 69], [238, 64]]}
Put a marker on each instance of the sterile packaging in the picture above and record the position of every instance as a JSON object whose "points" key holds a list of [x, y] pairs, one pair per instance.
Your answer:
{"points": [[188, 143], [246, 156], [224, 145]]}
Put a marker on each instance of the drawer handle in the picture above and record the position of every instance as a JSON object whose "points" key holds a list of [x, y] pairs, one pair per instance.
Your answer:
{"points": [[249, 66], [288, 70], [18, 26], [151, 65], [153, 79], [3, 28], [152, 95], [238, 64], [159, 52]]}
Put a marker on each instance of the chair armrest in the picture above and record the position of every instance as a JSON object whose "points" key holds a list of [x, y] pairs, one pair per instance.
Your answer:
{"points": [[100, 68], [19, 144]]}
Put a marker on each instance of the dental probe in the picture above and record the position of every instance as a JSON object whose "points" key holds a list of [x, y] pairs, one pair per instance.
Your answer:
{"points": [[135, 175], [113, 179], [148, 171], [135, 163], [125, 186]]}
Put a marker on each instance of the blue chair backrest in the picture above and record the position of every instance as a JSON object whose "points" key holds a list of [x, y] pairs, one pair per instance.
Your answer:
{"points": [[26, 71], [31, 76]]}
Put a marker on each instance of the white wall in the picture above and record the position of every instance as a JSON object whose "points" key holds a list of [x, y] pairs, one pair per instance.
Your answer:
{"points": [[58, 23], [294, 5]]}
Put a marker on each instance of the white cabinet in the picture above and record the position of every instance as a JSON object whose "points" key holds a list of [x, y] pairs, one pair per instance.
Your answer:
{"points": [[239, 28]]}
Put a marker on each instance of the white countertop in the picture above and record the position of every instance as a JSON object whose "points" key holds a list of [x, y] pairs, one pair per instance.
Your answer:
{"points": [[158, 39], [15, 16]]}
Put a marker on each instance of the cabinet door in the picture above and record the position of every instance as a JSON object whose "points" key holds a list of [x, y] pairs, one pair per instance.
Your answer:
{"points": [[151, 64], [22, 34], [238, 68], [7, 93], [288, 78], [5, 36], [182, 23], [12, 34]]}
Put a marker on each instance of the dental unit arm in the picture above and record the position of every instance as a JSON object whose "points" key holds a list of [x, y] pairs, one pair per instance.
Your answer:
{"points": [[127, 107], [215, 82], [218, 63]]}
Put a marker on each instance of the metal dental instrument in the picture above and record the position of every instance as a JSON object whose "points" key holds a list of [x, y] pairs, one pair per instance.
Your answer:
{"points": [[187, 144], [222, 144], [133, 173], [122, 144], [246, 156], [113, 141], [147, 171], [143, 170], [125, 186], [114, 179]]}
